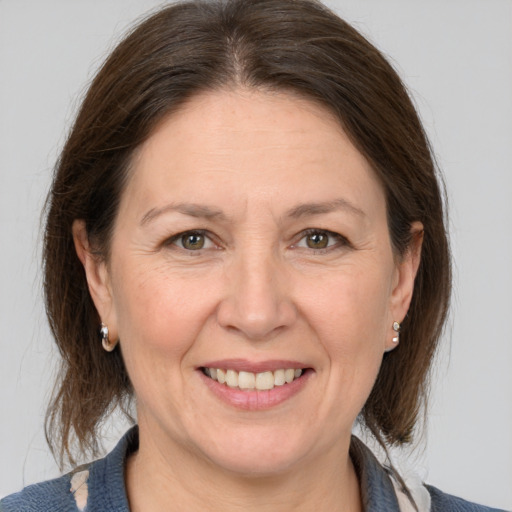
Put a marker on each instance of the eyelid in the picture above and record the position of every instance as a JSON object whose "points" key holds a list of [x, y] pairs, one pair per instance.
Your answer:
{"points": [[171, 241], [341, 241]]}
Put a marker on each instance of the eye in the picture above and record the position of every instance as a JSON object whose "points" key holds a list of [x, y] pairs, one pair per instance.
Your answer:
{"points": [[191, 241], [320, 239], [317, 240]]}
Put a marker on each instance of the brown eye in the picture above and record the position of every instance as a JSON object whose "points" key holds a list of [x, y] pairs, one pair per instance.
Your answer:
{"points": [[321, 240], [192, 241], [317, 240]]}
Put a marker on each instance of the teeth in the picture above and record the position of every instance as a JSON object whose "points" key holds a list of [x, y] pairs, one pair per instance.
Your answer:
{"points": [[265, 380], [232, 378], [251, 381], [279, 379], [246, 380]]}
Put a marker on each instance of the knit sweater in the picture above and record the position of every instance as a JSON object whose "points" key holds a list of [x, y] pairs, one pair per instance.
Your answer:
{"points": [[100, 487]]}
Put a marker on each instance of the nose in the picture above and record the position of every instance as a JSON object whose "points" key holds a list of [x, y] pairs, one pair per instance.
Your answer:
{"points": [[257, 303]]}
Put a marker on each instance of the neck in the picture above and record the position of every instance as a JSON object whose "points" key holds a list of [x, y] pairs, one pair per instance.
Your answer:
{"points": [[172, 478]]}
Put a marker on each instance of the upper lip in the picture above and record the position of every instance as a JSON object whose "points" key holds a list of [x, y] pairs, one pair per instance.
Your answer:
{"points": [[244, 365]]}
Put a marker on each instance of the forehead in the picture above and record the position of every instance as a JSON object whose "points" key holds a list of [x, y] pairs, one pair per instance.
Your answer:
{"points": [[251, 145]]}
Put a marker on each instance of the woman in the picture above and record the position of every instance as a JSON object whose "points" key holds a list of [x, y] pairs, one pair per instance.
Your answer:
{"points": [[245, 234]]}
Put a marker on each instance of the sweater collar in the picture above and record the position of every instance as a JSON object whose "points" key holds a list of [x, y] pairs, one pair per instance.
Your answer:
{"points": [[377, 491]]}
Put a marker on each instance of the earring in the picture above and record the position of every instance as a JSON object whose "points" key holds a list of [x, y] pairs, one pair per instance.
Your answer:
{"points": [[396, 339], [105, 342], [396, 328]]}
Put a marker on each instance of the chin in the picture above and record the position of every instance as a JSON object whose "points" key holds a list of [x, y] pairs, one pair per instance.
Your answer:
{"points": [[257, 454], [260, 465]]}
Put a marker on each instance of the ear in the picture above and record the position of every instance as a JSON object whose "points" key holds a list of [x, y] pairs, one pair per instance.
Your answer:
{"points": [[403, 286], [98, 279]]}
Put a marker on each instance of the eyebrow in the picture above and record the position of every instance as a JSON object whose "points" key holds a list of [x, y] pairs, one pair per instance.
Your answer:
{"points": [[309, 209], [190, 209], [207, 212]]}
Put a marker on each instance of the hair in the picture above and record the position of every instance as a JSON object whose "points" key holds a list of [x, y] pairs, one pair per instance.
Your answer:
{"points": [[296, 46]]}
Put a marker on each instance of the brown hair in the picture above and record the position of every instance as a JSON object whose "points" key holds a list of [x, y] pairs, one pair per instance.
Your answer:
{"points": [[293, 45]]}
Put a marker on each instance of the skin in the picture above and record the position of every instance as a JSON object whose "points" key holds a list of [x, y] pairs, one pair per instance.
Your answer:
{"points": [[255, 291]]}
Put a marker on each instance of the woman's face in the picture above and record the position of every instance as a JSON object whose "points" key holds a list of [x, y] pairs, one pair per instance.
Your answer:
{"points": [[251, 242]]}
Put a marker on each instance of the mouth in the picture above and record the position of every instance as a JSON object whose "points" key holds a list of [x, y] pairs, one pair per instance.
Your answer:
{"points": [[251, 381], [255, 385]]}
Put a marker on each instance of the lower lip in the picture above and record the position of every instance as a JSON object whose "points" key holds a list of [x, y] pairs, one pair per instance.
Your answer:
{"points": [[256, 400]]}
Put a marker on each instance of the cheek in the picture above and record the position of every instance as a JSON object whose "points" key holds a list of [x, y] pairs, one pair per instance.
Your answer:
{"points": [[347, 313], [350, 310], [159, 316], [350, 318]]}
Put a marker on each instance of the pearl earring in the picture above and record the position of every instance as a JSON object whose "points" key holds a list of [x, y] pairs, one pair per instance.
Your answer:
{"points": [[396, 328]]}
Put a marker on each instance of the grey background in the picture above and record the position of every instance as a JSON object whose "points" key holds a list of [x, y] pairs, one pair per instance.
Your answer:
{"points": [[456, 57]]}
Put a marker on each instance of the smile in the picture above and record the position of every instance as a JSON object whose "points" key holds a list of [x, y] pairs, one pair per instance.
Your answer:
{"points": [[249, 381]]}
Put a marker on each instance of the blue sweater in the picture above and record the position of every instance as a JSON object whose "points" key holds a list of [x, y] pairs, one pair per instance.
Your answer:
{"points": [[100, 487]]}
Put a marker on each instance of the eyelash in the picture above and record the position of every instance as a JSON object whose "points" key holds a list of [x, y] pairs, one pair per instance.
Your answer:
{"points": [[340, 240], [183, 234]]}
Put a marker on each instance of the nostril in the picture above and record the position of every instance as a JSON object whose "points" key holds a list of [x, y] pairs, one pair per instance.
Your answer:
{"points": [[256, 320]]}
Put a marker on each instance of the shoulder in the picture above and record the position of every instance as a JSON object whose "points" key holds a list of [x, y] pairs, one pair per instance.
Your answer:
{"points": [[380, 484], [97, 486], [442, 502], [51, 495]]}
